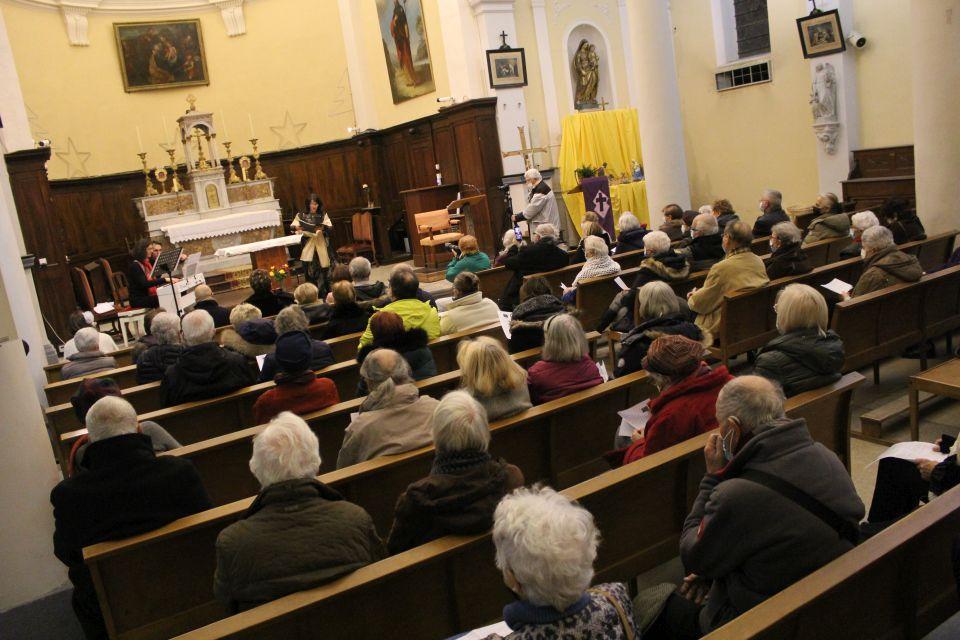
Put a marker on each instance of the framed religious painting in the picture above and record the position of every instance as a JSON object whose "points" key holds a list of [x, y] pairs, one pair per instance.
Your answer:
{"points": [[405, 48], [506, 68], [161, 54], [821, 34]]}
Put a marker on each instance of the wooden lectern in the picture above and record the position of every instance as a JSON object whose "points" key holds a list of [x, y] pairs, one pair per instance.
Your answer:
{"points": [[474, 208]]}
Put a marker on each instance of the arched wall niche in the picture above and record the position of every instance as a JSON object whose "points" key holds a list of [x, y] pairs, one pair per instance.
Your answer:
{"points": [[606, 89]]}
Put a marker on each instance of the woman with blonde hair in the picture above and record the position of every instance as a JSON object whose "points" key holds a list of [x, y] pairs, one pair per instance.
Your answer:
{"points": [[590, 226], [806, 355], [493, 377]]}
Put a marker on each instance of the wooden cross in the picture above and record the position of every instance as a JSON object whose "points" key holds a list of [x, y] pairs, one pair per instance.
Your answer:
{"points": [[603, 104], [524, 150], [503, 36]]}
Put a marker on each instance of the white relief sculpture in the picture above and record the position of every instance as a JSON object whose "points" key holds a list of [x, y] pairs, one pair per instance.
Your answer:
{"points": [[823, 104]]}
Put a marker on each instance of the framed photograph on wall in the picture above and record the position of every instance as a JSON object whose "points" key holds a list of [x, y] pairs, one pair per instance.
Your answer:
{"points": [[507, 68], [821, 34], [161, 54]]}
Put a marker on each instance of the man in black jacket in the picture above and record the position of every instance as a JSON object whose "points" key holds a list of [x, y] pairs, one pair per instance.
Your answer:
{"points": [[205, 301], [705, 247], [771, 213], [123, 491], [205, 369], [543, 255]]}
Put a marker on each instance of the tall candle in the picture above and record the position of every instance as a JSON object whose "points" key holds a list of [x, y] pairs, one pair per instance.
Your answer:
{"points": [[139, 139], [223, 120], [250, 119], [166, 134]]}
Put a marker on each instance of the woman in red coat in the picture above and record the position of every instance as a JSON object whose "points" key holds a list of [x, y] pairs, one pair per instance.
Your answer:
{"points": [[298, 388], [686, 406]]}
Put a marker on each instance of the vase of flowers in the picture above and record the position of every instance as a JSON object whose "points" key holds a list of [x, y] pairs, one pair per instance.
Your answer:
{"points": [[279, 275]]}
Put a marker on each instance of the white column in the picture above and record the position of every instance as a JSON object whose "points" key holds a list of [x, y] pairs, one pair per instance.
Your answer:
{"points": [[16, 127], [466, 64], [358, 68], [554, 130], [833, 165], [936, 120], [633, 88], [658, 106]]}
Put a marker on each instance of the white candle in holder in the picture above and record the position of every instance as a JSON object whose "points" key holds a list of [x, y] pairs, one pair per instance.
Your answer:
{"points": [[139, 140], [250, 119]]}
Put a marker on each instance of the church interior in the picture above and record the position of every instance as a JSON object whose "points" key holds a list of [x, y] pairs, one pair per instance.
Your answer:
{"points": [[480, 318]]}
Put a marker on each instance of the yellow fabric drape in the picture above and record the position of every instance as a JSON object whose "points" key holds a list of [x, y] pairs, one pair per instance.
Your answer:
{"points": [[594, 138]]}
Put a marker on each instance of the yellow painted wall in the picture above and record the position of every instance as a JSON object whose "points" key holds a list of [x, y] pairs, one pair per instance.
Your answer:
{"points": [[290, 60], [539, 134]]}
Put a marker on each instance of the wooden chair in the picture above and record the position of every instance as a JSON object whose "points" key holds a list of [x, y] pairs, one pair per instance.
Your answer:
{"points": [[361, 226], [88, 301], [435, 229]]}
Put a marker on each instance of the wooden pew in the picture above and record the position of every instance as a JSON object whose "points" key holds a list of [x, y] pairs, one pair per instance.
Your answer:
{"points": [[565, 275], [934, 251], [204, 419], [493, 281], [222, 462], [897, 584], [123, 356], [457, 576], [561, 442], [760, 246]]}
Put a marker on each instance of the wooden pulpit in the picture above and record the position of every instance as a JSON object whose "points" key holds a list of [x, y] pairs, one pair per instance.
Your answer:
{"points": [[420, 200], [473, 207]]}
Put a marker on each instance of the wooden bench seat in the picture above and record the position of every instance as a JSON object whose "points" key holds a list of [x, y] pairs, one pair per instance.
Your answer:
{"points": [[457, 576]]}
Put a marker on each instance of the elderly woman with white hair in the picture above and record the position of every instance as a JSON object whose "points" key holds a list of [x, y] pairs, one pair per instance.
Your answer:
{"points": [[565, 365], [298, 533], [366, 289], [511, 246], [88, 358], [787, 257], [393, 417], [152, 362], [81, 319], [631, 233], [598, 264], [546, 546], [883, 265], [806, 355], [465, 482], [249, 334], [859, 222], [124, 489]]}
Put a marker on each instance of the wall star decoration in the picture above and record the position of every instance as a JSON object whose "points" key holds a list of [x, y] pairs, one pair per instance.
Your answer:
{"points": [[288, 133], [75, 160], [36, 127]]}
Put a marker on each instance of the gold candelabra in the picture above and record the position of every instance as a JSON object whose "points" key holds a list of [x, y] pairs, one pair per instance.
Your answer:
{"points": [[232, 177], [201, 159], [258, 170], [149, 190], [176, 187]]}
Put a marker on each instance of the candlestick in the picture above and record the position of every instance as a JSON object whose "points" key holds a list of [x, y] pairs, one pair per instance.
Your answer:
{"points": [[139, 140], [250, 120], [166, 134], [176, 187], [223, 121], [149, 189], [232, 176], [258, 170]]}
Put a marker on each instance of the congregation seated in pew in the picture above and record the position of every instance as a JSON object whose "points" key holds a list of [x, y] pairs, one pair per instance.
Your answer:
{"points": [[807, 354], [465, 482], [589, 227], [87, 394], [724, 213], [658, 313], [631, 233], [511, 246], [565, 366], [672, 222], [859, 222], [124, 490], [346, 316], [739, 269], [468, 258], [787, 257], [404, 289], [771, 213], [147, 340], [393, 417], [298, 388], [88, 358], [298, 533], [598, 264], [366, 289], [830, 222], [491, 376], [166, 350], [752, 531], [546, 546], [307, 298], [469, 308], [389, 332], [705, 246], [542, 255], [293, 320], [205, 369], [883, 264], [684, 408], [537, 303], [80, 320], [249, 340], [269, 302], [206, 302]]}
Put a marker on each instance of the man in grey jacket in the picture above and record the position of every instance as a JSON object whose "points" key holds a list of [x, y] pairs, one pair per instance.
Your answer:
{"points": [[542, 208], [748, 535]]}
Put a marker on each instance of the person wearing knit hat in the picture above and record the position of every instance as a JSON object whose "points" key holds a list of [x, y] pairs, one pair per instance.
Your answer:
{"points": [[686, 404], [298, 389], [88, 392]]}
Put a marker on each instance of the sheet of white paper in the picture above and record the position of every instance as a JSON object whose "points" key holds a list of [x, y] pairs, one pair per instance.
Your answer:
{"points": [[104, 307], [260, 360], [912, 451], [443, 303], [500, 628], [634, 418], [505, 322], [563, 286], [354, 416], [837, 286], [602, 368], [620, 283]]}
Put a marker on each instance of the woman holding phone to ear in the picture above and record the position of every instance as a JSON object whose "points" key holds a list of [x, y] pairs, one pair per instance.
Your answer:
{"points": [[315, 253]]}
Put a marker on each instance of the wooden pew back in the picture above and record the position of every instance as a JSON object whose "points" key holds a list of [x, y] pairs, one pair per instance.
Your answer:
{"points": [[123, 356], [933, 251], [565, 275]]}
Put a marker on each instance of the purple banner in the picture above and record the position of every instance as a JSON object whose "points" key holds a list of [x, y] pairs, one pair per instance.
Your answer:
{"points": [[596, 198]]}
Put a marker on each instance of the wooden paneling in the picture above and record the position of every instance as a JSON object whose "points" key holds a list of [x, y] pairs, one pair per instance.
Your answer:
{"points": [[885, 162]]}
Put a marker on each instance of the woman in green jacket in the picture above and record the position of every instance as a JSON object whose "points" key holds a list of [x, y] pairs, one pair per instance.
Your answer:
{"points": [[470, 259]]}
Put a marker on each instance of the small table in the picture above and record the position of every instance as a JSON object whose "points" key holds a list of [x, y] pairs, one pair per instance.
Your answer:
{"points": [[942, 380]]}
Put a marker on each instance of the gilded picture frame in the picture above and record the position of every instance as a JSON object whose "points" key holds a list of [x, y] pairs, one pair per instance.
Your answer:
{"points": [[161, 54], [821, 34]]}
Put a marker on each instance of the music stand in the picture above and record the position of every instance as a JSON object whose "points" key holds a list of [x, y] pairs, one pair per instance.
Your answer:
{"points": [[167, 262]]}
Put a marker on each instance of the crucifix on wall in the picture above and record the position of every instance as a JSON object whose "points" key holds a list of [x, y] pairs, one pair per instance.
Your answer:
{"points": [[524, 151]]}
